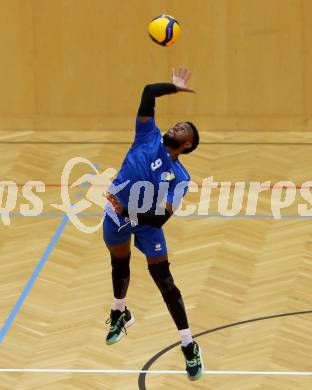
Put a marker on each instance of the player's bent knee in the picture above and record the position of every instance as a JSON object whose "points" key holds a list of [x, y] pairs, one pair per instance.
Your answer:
{"points": [[172, 296], [120, 266], [162, 277]]}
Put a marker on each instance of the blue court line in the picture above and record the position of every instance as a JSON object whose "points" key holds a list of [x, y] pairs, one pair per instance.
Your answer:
{"points": [[267, 216], [33, 278]]}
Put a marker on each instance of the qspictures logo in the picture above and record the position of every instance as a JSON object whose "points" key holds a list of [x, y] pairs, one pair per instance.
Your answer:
{"points": [[141, 195]]}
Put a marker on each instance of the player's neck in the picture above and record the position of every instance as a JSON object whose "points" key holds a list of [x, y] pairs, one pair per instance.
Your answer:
{"points": [[174, 153]]}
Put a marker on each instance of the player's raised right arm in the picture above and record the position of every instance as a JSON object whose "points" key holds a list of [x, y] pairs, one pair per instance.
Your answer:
{"points": [[151, 91]]}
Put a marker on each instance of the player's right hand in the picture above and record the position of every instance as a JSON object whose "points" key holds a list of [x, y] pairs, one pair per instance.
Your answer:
{"points": [[180, 77]]}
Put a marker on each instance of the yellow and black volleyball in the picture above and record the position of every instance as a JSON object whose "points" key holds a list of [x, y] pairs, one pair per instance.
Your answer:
{"points": [[164, 30]]}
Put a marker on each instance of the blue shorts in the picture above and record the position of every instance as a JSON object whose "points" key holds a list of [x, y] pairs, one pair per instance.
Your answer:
{"points": [[148, 239]]}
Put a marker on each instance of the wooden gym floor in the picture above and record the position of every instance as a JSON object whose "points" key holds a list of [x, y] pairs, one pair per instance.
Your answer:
{"points": [[229, 270]]}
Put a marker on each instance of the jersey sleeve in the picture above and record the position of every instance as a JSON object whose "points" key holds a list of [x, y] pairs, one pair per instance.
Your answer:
{"points": [[146, 132]]}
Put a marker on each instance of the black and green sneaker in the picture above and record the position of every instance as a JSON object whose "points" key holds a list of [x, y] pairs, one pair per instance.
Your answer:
{"points": [[118, 321], [193, 359]]}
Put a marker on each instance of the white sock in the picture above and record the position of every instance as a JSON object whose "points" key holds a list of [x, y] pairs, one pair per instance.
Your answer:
{"points": [[119, 304], [186, 337]]}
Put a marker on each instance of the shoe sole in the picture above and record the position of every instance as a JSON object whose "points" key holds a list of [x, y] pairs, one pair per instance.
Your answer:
{"points": [[197, 376], [121, 334]]}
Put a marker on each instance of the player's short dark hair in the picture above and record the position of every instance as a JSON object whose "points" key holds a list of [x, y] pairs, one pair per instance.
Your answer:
{"points": [[195, 139]]}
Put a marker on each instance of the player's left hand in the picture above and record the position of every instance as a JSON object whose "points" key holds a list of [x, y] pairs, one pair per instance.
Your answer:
{"points": [[114, 202]]}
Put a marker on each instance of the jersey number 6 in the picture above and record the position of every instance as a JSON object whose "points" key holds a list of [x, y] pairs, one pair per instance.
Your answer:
{"points": [[156, 164]]}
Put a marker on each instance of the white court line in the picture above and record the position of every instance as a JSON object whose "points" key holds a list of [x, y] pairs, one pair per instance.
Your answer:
{"points": [[34, 370]]}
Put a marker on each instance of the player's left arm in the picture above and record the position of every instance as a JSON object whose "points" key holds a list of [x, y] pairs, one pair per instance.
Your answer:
{"points": [[147, 218]]}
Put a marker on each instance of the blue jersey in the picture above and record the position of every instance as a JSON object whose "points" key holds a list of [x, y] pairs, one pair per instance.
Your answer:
{"points": [[148, 161]]}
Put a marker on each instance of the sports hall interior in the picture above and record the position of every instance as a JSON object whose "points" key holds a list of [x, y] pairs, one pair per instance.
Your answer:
{"points": [[71, 75]]}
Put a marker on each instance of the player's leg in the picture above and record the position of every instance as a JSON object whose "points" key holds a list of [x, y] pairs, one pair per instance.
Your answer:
{"points": [[120, 261], [158, 267], [118, 244], [152, 243]]}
